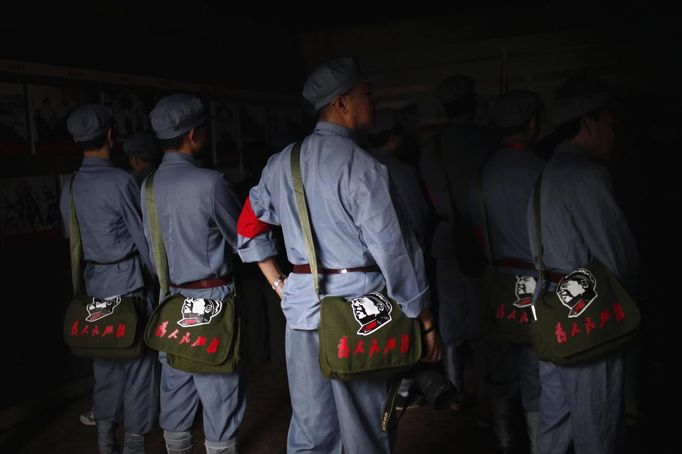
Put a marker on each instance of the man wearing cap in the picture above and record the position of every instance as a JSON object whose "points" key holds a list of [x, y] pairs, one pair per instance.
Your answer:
{"points": [[142, 151], [507, 180], [198, 213], [385, 138], [448, 165], [582, 404], [361, 246], [115, 251]]}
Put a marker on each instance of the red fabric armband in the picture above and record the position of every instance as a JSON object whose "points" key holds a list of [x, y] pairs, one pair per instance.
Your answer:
{"points": [[248, 224]]}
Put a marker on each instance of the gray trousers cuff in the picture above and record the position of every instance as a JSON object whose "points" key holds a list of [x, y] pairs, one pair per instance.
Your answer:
{"points": [[178, 442], [222, 447]]}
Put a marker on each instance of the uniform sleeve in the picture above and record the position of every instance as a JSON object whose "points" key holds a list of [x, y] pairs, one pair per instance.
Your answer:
{"points": [[226, 210], [255, 240], [602, 225], [392, 245], [132, 217]]}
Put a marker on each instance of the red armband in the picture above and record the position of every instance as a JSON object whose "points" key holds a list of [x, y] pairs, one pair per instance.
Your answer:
{"points": [[248, 224]]}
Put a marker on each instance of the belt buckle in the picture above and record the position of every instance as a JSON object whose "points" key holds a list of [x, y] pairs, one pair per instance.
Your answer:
{"points": [[343, 271]]}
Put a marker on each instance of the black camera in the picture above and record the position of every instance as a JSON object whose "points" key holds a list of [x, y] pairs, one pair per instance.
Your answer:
{"points": [[434, 385]]}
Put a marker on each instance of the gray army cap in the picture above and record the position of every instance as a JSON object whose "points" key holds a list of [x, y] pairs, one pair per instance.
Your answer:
{"points": [[514, 108], [578, 96], [177, 114], [142, 145], [331, 79], [454, 88], [89, 121]]}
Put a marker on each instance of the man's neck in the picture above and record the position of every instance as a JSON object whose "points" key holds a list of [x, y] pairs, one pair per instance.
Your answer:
{"points": [[102, 153]]}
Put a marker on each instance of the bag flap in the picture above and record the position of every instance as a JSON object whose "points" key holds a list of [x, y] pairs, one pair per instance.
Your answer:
{"points": [[101, 322], [366, 334], [588, 308], [198, 329]]}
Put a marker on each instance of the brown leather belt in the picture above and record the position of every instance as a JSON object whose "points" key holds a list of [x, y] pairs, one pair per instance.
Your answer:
{"points": [[305, 269], [205, 283]]}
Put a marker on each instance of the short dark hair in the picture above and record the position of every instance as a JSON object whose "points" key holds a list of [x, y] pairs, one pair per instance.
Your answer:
{"points": [[93, 144], [461, 106]]}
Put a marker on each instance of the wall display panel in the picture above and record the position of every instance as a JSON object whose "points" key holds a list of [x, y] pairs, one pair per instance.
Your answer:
{"points": [[49, 108], [29, 206], [14, 137]]}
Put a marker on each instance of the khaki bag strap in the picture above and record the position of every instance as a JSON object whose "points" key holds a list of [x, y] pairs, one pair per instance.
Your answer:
{"points": [[158, 248], [303, 216], [75, 243], [539, 253]]}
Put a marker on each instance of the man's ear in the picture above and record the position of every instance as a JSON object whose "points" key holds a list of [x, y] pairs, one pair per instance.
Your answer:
{"points": [[339, 103]]}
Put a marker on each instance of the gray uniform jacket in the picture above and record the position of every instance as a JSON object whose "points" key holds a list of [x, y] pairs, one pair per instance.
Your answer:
{"points": [[198, 215], [409, 192], [354, 224], [108, 212], [580, 217], [508, 179], [465, 148]]}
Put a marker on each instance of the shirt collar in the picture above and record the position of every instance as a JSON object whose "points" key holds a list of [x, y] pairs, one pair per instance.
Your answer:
{"points": [[177, 157], [326, 128], [89, 161], [568, 147]]}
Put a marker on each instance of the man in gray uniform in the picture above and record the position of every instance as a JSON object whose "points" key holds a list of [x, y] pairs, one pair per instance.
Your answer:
{"points": [[198, 216], [115, 252], [582, 404], [142, 151], [448, 165], [361, 246], [508, 179]]}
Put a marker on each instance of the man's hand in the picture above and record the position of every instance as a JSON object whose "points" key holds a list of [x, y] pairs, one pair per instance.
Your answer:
{"points": [[433, 347]]}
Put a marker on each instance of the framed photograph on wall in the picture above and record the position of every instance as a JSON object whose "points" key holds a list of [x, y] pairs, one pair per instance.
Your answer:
{"points": [[131, 111], [285, 126], [14, 137], [226, 136], [49, 107], [29, 206]]}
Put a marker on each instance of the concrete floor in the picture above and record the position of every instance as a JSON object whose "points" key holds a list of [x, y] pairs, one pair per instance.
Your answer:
{"points": [[421, 430], [264, 428]]}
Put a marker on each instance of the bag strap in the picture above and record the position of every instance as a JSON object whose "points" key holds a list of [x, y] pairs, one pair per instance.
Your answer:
{"points": [[388, 416], [539, 253], [74, 242], [158, 248], [303, 216], [485, 230]]}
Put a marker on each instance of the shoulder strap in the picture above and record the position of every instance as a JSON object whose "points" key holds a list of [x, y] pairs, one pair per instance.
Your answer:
{"points": [[74, 242], [158, 249], [303, 216]]}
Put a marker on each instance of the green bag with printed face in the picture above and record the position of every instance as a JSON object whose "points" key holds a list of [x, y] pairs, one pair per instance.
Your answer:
{"points": [[103, 327], [588, 315], [366, 336], [199, 335], [508, 298]]}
